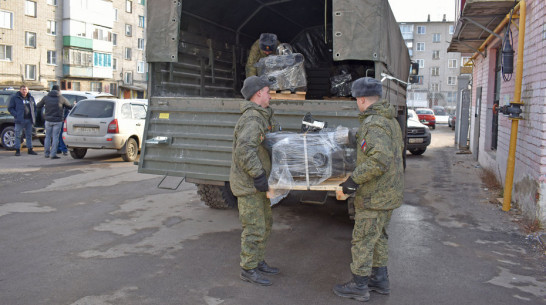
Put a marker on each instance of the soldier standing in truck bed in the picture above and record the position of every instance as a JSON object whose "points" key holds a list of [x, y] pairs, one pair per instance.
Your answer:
{"points": [[248, 178], [378, 181], [263, 47]]}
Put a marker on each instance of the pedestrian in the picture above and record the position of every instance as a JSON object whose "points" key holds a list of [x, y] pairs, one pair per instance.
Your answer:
{"points": [[263, 47], [23, 108], [250, 169], [62, 146], [55, 105], [378, 181]]}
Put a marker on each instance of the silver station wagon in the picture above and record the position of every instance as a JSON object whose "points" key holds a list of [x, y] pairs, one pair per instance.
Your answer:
{"points": [[106, 124]]}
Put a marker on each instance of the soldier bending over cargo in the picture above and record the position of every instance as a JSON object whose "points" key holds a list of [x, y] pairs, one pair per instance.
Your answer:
{"points": [[378, 181], [250, 168], [263, 47]]}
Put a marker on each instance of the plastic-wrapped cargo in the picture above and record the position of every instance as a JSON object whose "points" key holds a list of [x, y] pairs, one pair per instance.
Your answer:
{"points": [[340, 85], [286, 72], [306, 159]]}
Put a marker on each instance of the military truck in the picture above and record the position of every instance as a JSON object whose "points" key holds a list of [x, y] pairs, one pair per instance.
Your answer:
{"points": [[197, 51]]}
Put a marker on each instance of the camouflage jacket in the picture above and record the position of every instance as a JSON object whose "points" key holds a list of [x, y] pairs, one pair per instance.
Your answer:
{"points": [[379, 166], [254, 57], [250, 157]]}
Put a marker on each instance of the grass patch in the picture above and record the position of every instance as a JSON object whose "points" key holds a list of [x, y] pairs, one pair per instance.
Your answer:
{"points": [[490, 181]]}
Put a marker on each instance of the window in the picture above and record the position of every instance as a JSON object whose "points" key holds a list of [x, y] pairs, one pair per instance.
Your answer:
{"points": [[452, 63], [30, 39], [436, 54], [128, 52], [451, 80], [52, 2], [115, 14], [436, 37], [30, 72], [421, 62], [139, 112], [410, 52], [419, 79], [409, 44], [76, 86], [5, 52], [102, 60], [30, 8], [114, 39], [128, 30], [77, 57], [51, 27], [434, 87], [102, 34], [435, 71], [406, 28], [51, 57], [96, 86], [128, 6], [420, 46], [451, 30], [128, 78], [51, 84], [6, 20], [451, 97], [464, 60], [143, 2], [421, 29], [141, 44], [114, 64], [140, 67], [126, 111], [141, 21], [114, 89]]}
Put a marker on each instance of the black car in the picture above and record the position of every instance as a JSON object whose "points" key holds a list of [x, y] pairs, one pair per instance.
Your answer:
{"points": [[418, 135]]}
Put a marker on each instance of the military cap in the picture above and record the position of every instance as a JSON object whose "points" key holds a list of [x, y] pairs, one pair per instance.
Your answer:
{"points": [[268, 42], [366, 86], [252, 85]]}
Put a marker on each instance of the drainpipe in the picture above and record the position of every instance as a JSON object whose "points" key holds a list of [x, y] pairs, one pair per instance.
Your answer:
{"points": [[514, 110]]}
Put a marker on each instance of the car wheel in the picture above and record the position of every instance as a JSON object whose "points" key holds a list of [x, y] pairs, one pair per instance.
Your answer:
{"points": [[8, 137], [131, 151], [433, 126], [78, 153], [417, 151]]}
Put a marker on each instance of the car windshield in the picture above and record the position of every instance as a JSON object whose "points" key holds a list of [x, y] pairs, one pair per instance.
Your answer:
{"points": [[424, 111], [440, 111], [93, 109]]}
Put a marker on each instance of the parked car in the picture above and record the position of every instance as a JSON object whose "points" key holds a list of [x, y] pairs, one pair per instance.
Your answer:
{"points": [[452, 120], [441, 115], [7, 122], [76, 96], [426, 116], [106, 124], [418, 134]]}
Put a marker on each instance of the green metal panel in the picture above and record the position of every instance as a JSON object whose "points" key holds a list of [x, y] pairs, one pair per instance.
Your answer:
{"points": [[198, 132], [80, 42]]}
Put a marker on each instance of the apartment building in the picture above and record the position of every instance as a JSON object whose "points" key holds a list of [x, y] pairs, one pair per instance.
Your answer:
{"points": [[91, 45], [427, 43]]}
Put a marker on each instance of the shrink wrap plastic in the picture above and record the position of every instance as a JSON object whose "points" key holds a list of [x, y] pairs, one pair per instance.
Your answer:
{"points": [[286, 72]]}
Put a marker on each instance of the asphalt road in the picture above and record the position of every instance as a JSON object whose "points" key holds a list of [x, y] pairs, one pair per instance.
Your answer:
{"points": [[94, 231]]}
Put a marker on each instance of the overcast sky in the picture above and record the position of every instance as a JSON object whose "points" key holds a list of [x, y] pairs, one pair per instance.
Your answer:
{"points": [[418, 10]]}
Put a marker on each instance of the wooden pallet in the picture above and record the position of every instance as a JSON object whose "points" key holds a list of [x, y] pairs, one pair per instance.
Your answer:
{"points": [[331, 184], [287, 95]]}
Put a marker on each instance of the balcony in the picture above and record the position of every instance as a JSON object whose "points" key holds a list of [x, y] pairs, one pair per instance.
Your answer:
{"points": [[475, 21]]}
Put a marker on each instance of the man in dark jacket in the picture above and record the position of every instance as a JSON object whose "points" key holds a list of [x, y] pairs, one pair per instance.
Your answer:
{"points": [[250, 168], [54, 115], [23, 109], [378, 181]]}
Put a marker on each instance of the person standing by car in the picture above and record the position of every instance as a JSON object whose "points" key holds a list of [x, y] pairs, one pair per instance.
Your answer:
{"points": [[54, 105], [23, 108], [378, 181], [250, 168]]}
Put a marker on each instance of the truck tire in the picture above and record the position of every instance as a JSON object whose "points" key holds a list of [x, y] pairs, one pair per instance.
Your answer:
{"points": [[217, 197]]}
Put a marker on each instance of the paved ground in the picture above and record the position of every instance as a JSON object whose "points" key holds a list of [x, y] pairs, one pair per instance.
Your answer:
{"points": [[94, 231]]}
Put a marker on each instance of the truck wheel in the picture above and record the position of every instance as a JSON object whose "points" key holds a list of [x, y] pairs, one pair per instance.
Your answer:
{"points": [[131, 151], [417, 151], [215, 196], [78, 153], [8, 137]]}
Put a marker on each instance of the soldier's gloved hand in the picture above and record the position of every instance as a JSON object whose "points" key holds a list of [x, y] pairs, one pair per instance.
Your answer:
{"points": [[260, 183], [349, 186]]}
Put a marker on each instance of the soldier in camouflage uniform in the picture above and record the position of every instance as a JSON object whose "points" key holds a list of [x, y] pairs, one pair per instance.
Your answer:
{"points": [[250, 168], [378, 181], [263, 47]]}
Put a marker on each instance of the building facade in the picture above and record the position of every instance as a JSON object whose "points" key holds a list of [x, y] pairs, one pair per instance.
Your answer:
{"points": [[87, 45], [427, 43], [495, 84]]}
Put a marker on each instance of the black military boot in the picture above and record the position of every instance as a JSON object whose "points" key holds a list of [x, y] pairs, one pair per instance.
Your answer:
{"points": [[31, 152], [356, 289], [17, 152], [265, 268], [379, 280], [255, 277]]}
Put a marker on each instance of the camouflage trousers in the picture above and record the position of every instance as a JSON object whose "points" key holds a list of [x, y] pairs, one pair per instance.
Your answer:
{"points": [[256, 218], [370, 240]]}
